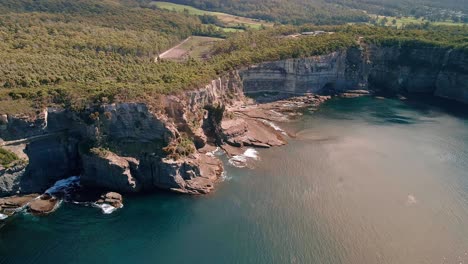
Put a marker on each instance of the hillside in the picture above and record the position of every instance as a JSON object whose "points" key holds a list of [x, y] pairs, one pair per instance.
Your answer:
{"points": [[101, 52], [335, 11], [226, 21]]}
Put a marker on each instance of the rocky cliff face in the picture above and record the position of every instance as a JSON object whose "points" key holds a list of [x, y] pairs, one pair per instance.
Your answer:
{"points": [[338, 71], [47, 146], [438, 71], [129, 138], [55, 144]]}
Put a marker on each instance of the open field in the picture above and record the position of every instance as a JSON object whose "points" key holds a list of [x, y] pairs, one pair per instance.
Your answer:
{"points": [[195, 47], [230, 21], [401, 21], [226, 29]]}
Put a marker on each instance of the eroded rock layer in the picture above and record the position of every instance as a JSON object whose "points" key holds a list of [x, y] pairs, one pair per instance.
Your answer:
{"points": [[133, 147]]}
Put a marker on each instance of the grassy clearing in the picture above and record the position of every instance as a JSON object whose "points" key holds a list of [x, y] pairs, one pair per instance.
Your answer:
{"points": [[399, 22], [229, 30], [7, 105], [231, 21], [195, 47]]}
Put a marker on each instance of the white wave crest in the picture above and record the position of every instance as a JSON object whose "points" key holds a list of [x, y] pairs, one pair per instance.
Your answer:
{"points": [[274, 126], [106, 208], [225, 177], [240, 161], [251, 153], [3, 217], [217, 152]]}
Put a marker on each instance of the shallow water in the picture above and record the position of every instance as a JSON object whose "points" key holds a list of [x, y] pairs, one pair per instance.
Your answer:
{"points": [[364, 181]]}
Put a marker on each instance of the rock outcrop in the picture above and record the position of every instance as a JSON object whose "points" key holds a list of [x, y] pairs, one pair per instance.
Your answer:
{"points": [[105, 169], [47, 145], [338, 71], [43, 205], [250, 132], [9, 205], [436, 71], [112, 198]]}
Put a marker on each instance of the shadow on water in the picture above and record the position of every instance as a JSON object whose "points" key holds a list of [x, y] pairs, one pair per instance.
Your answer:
{"points": [[388, 111]]}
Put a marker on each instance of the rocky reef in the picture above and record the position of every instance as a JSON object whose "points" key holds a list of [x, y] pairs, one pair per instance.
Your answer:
{"points": [[134, 147]]}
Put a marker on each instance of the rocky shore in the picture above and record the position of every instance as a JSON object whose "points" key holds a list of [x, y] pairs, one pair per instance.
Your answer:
{"points": [[244, 124], [168, 143]]}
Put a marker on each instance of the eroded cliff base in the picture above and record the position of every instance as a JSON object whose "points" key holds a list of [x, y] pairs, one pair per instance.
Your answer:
{"points": [[169, 144]]}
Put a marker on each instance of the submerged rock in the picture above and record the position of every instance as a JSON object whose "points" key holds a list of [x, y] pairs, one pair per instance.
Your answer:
{"points": [[46, 204], [8, 205]]}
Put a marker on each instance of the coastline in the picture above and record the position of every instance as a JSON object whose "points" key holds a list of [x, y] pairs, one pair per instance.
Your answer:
{"points": [[131, 147]]}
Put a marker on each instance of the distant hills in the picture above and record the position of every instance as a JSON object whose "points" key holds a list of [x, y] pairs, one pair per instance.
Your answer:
{"points": [[335, 11]]}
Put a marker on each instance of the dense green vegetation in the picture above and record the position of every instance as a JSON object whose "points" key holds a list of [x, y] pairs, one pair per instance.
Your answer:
{"points": [[223, 20], [180, 147], [400, 22], [7, 157], [286, 11], [335, 11], [85, 52]]}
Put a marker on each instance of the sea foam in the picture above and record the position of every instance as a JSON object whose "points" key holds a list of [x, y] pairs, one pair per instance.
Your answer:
{"points": [[240, 161], [3, 217], [274, 126], [217, 152], [106, 208]]}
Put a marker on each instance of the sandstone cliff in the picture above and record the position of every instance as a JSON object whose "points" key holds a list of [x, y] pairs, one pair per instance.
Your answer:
{"points": [[437, 71], [55, 144]]}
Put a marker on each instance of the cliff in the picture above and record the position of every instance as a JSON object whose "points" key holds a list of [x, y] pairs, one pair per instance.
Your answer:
{"points": [[338, 71], [128, 141], [132, 147], [437, 71]]}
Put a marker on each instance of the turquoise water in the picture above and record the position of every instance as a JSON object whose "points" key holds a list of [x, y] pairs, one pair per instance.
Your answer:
{"points": [[364, 180]]}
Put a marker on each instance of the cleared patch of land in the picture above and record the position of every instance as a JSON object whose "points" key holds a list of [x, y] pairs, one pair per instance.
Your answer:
{"points": [[192, 47], [401, 21], [232, 22]]}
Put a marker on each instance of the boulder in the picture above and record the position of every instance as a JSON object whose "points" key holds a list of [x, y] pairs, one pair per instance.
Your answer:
{"points": [[112, 198], [45, 205]]}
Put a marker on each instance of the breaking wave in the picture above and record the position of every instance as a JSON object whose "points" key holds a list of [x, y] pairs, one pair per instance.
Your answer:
{"points": [[225, 177], [217, 152], [240, 161], [106, 208], [274, 126], [3, 217], [64, 189]]}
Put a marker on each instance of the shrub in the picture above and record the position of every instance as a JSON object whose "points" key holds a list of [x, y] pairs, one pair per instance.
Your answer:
{"points": [[7, 157], [180, 147]]}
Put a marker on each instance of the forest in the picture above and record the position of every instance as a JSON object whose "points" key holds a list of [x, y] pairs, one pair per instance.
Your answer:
{"points": [[106, 52], [335, 11]]}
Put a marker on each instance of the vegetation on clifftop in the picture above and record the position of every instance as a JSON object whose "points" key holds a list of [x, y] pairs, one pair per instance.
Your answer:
{"points": [[181, 146], [84, 52], [335, 11], [7, 157]]}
